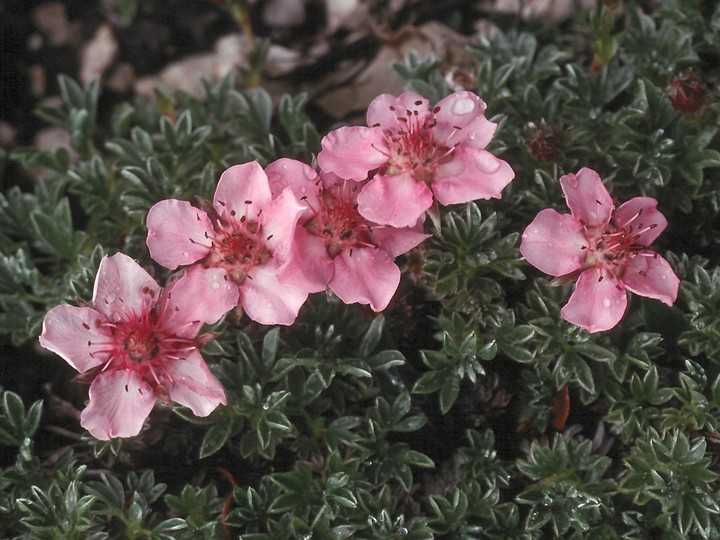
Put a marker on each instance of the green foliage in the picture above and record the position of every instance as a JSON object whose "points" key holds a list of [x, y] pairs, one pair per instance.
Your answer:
{"points": [[469, 409]]}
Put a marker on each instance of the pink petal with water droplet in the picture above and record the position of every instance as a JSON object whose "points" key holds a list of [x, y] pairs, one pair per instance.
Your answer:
{"points": [[650, 275], [267, 300], [365, 276], [641, 212], [178, 233], [286, 172], [397, 200], [193, 385], [120, 401], [351, 152], [587, 197], [67, 330], [201, 294], [596, 304], [469, 175], [461, 121], [553, 243], [244, 190], [123, 286]]}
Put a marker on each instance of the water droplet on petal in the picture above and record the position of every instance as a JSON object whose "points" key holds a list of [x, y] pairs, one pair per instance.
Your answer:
{"points": [[463, 105], [606, 303], [486, 162], [110, 298], [185, 254], [215, 285]]}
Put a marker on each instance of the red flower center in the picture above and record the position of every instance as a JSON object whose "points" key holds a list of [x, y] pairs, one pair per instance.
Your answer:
{"points": [[413, 147], [338, 222], [237, 245]]}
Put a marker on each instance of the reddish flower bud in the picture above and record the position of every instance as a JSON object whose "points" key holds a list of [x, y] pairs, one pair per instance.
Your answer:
{"points": [[545, 143], [686, 93]]}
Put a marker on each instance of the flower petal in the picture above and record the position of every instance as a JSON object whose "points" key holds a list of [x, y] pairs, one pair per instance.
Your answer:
{"points": [[352, 151], [67, 331], [243, 190], [309, 267], [123, 286], [469, 175], [461, 120], [178, 233], [641, 215], [587, 197], [120, 401], [278, 222], [598, 302], [301, 178], [365, 276], [384, 111], [193, 385], [267, 300], [650, 275], [201, 294], [396, 241], [286, 172], [553, 243], [398, 201]]}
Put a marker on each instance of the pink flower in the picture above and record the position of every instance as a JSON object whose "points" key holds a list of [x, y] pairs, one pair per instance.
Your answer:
{"points": [[137, 343], [236, 247], [339, 248], [604, 247], [413, 153]]}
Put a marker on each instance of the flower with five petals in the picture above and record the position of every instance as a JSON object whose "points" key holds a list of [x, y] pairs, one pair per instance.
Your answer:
{"points": [[135, 343], [604, 247], [413, 154]]}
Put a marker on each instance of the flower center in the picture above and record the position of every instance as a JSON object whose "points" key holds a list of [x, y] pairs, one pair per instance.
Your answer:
{"points": [[237, 246], [616, 246], [338, 222], [413, 147], [141, 342]]}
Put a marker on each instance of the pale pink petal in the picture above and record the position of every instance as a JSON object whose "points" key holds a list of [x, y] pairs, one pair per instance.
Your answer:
{"points": [[397, 200], [461, 120], [309, 267], [201, 294], [278, 222], [641, 216], [469, 175], [554, 243], [123, 286], [268, 301], [178, 233], [193, 385], [384, 110], [301, 178], [587, 197], [596, 304], [286, 172], [67, 331], [650, 275], [396, 241], [243, 190], [120, 401], [351, 152], [365, 276]]}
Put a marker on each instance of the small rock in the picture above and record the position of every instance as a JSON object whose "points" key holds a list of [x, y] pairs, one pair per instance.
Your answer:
{"points": [[97, 54], [51, 19], [284, 13]]}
